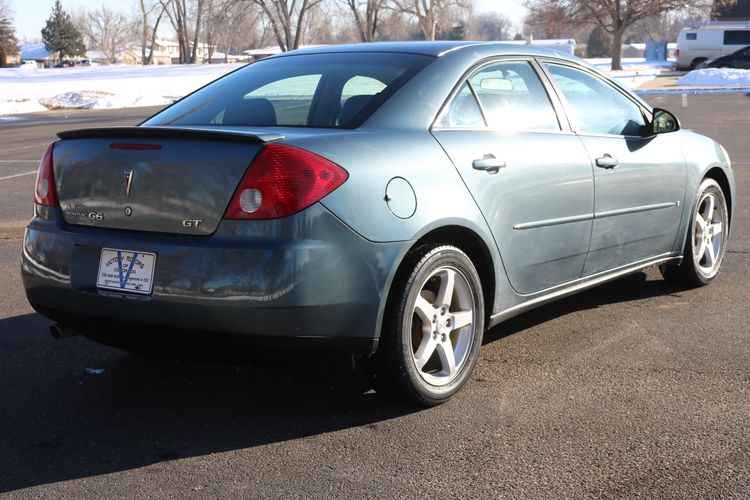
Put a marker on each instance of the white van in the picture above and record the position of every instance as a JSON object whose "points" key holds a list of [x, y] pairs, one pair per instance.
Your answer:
{"points": [[703, 41]]}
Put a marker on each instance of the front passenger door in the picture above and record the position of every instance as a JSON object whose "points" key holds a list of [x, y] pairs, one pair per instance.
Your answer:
{"points": [[639, 181]]}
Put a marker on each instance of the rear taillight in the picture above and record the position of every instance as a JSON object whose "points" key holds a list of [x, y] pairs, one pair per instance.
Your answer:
{"points": [[46, 192], [677, 53], [282, 180]]}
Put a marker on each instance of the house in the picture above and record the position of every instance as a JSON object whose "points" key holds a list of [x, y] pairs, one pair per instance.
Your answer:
{"points": [[172, 50], [271, 50], [35, 51]]}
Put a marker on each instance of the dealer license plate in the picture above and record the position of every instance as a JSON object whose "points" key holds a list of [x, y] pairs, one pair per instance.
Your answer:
{"points": [[126, 270]]}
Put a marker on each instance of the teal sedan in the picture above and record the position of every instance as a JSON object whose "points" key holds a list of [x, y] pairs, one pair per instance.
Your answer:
{"points": [[389, 200]]}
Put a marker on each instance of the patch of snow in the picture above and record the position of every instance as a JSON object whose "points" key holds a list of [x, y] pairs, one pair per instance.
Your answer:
{"points": [[20, 106], [714, 77], [633, 79], [95, 371], [635, 71], [98, 87], [631, 64]]}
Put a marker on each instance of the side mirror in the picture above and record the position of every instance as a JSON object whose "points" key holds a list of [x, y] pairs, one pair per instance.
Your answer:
{"points": [[664, 122]]}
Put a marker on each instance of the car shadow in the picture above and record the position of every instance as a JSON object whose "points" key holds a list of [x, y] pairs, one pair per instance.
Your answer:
{"points": [[632, 287], [73, 409]]}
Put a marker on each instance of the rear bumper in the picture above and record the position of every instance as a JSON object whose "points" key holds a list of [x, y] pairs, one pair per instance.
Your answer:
{"points": [[307, 276]]}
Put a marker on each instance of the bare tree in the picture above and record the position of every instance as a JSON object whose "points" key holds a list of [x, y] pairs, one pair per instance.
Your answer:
{"points": [[366, 15], [615, 16], [151, 14], [287, 19], [432, 15], [229, 23], [107, 31], [394, 26], [489, 26], [8, 40], [548, 19], [186, 19]]}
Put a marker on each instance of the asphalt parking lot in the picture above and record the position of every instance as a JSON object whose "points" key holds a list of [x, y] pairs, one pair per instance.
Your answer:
{"points": [[636, 388]]}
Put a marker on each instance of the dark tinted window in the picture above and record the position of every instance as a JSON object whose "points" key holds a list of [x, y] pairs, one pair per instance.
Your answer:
{"points": [[691, 36], [736, 37], [316, 90]]}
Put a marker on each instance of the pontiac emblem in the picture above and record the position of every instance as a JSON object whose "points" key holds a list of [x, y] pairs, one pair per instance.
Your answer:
{"points": [[128, 182]]}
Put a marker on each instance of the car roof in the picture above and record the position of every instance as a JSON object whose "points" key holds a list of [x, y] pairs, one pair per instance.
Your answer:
{"points": [[434, 49]]}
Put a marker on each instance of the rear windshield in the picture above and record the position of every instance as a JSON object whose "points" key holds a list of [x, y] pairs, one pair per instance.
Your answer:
{"points": [[315, 90]]}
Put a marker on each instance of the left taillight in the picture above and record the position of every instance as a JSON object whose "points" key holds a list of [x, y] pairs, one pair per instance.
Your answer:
{"points": [[46, 192]]}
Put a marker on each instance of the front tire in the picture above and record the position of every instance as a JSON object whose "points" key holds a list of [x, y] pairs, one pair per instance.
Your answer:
{"points": [[706, 240], [433, 329]]}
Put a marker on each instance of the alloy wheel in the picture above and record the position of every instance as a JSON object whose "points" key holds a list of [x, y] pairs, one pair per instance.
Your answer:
{"points": [[443, 326]]}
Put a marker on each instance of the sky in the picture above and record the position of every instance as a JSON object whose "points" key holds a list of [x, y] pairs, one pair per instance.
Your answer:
{"points": [[30, 15]]}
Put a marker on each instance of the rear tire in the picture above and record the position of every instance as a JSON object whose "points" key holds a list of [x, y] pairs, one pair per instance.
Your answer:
{"points": [[706, 239], [433, 327]]}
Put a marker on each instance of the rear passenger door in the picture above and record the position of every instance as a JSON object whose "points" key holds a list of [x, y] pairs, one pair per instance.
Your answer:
{"points": [[530, 176]]}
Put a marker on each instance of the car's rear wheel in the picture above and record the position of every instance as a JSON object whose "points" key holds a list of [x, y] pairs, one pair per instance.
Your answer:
{"points": [[706, 239], [433, 329]]}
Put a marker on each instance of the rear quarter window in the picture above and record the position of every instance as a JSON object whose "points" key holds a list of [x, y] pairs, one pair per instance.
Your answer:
{"points": [[691, 36]]}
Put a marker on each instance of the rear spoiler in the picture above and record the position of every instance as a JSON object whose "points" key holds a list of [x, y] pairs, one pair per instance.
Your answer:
{"points": [[194, 133]]}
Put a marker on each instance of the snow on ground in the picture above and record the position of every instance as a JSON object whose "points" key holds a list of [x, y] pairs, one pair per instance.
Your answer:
{"points": [[635, 71], [724, 77], [97, 87], [24, 90]]}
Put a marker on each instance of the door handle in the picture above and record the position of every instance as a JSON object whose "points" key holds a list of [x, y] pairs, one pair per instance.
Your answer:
{"points": [[489, 164], [607, 161]]}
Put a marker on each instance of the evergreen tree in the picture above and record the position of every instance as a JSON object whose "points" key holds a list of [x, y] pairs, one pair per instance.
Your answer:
{"points": [[599, 43], [8, 40], [61, 35]]}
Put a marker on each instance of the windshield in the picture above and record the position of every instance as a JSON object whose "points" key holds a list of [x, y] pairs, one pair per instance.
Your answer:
{"points": [[315, 90]]}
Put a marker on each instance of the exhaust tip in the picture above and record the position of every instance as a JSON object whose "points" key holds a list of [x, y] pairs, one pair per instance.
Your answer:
{"points": [[61, 332]]}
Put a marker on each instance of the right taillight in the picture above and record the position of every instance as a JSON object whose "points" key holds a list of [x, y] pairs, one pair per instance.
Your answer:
{"points": [[677, 53], [283, 180], [46, 192]]}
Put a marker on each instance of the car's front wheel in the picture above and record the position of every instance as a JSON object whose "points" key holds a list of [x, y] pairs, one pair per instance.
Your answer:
{"points": [[706, 239], [433, 329]]}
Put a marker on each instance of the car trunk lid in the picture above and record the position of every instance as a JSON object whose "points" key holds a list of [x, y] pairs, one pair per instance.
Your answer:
{"points": [[158, 179]]}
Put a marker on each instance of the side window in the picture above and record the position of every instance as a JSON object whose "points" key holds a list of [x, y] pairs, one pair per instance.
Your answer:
{"points": [[290, 97], [462, 112], [691, 36], [594, 105], [513, 97], [737, 37]]}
